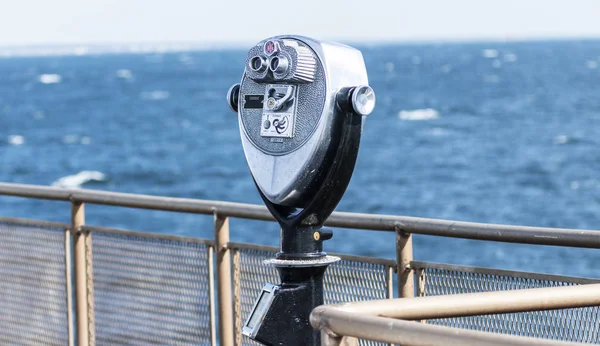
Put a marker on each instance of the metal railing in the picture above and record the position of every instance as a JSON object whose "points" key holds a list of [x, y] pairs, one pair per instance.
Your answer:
{"points": [[574, 324], [34, 283], [354, 278], [135, 287], [390, 320]]}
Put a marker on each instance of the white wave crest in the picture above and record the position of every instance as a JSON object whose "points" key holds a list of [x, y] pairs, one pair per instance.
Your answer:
{"points": [[70, 139], [155, 95], [510, 57], [124, 74], [591, 64], [419, 114], [437, 132], [389, 67], [489, 53], [16, 140], [77, 180], [74, 139], [562, 139], [49, 78]]}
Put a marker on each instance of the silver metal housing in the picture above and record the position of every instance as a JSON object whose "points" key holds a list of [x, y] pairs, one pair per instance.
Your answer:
{"points": [[284, 176]]}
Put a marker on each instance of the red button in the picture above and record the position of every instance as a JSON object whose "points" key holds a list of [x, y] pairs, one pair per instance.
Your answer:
{"points": [[269, 47]]}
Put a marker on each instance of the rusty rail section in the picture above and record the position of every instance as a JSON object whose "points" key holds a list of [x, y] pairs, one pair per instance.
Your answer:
{"points": [[335, 320]]}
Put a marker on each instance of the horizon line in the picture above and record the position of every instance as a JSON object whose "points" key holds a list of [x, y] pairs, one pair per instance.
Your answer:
{"points": [[142, 47]]}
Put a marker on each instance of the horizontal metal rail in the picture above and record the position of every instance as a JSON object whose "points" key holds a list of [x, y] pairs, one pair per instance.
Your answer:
{"points": [[502, 272], [473, 304], [125, 232], [371, 320], [390, 223], [408, 333], [34, 223], [186, 205]]}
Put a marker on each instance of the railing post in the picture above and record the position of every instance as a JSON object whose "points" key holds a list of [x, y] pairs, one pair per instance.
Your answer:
{"points": [[81, 290], [69, 286], [224, 280], [237, 306], [404, 255], [211, 293], [389, 280]]}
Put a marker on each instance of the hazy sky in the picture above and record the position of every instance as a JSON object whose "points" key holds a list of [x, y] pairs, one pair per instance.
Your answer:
{"points": [[26, 22]]}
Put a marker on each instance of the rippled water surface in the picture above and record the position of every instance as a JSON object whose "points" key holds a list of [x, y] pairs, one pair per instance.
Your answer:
{"points": [[498, 132]]}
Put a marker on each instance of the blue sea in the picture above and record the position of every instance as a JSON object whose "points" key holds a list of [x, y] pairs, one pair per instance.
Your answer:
{"points": [[485, 132]]}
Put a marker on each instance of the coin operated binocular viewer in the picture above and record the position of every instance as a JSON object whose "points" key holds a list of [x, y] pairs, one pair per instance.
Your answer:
{"points": [[300, 105]]}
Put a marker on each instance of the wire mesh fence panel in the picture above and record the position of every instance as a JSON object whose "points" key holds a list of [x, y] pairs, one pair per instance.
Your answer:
{"points": [[345, 281], [250, 275], [577, 325], [351, 281], [150, 291], [33, 295]]}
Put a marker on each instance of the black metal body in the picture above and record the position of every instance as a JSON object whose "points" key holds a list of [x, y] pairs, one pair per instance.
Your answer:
{"points": [[301, 289], [288, 322], [298, 225]]}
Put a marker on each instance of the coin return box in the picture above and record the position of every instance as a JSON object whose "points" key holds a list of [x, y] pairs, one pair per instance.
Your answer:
{"points": [[279, 111]]}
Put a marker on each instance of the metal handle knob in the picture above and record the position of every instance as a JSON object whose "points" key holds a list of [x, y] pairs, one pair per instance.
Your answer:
{"points": [[363, 100], [359, 100], [233, 97]]}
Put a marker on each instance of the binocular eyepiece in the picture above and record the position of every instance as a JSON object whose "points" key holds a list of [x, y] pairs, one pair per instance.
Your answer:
{"points": [[282, 61], [277, 65]]}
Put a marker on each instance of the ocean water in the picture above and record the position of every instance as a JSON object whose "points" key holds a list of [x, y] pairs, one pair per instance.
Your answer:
{"points": [[489, 132]]}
